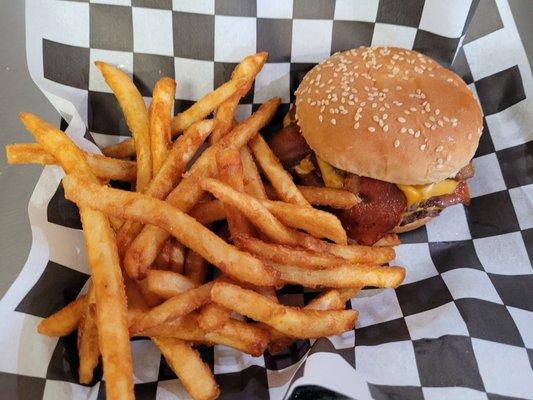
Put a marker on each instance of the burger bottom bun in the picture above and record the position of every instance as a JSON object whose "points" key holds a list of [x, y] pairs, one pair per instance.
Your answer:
{"points": [[411, 226]]}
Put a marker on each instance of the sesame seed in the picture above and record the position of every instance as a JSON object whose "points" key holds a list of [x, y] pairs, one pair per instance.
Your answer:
{"points": [[396, 143], [381, 108], [433, 127], [320, 118], [432, 118], [385, 116], [402, 119], [439, 149], [423, 147], [437, 111], [351, 103], [411, 131], [371, 129], [417, 134], [406, 112], [440, 123], [440, 161], [356, 126], [386, 128], [403, 130], [381, 123], [413, 109], [375, 118], [427, 124], [333, 121]]}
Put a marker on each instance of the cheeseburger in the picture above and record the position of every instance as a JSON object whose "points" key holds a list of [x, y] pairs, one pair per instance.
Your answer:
{"points": [[392, 126]]}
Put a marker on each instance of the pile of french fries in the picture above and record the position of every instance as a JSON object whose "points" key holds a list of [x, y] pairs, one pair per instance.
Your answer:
{"points": [[149, 250]]}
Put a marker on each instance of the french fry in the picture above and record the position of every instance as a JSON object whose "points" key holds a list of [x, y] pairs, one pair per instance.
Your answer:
{"points": [[151, 240], [247, 69], [308, 258], [124, 149], [280, 179], [88, 349], [350, 252], [186, 363], [208, 211], [252, 180], [103, 167], [167, 284], [389, 240], [64, 321], [187, 230], [292, 321], [182, 121], [160, 110], [328, 300], [322, 196], [205, 106], [134, 296], [173, 308], [113, 334], [169, 175], [136, 115], [213, 316], [151, 298], [248, 338], [343, 276], [230, 172], [256, 212], [317, 222], [195, 267], [172, 257]]}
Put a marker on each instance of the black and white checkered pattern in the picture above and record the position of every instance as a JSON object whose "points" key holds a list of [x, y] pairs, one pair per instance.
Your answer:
{"points": [[460, 327]]}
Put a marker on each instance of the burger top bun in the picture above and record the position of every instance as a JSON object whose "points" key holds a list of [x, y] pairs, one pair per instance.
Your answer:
{"points": [[389, 114]]}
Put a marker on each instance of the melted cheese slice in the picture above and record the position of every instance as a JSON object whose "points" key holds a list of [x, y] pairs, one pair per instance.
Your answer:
{"points": [[331, 177], [417, 193]]}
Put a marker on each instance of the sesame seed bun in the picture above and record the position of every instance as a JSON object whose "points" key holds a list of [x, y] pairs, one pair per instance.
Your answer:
{"points": [[389, 114]]}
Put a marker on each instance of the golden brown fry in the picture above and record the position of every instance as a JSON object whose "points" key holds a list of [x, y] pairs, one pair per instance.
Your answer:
{"points": [[167, 284], [172, 257], [328, 300], [195, 267], [134, 295], [307, 258], [230, 172], [317, 222], [291, 321], [151, 240], [280, 179], [136, 115], [252, 180], [391, 239], [248, 338], [350, 252], [64, 321], [208, 211], [343, 276], [205, 106], [113, 334], [187, 230], [193, 373], [256, 212], [173, 308], [151, 298], [124, 149], [247, 69], [88, 349], [213, 316], [182, 151], [103, 167], [322, 196], [160, 110]]}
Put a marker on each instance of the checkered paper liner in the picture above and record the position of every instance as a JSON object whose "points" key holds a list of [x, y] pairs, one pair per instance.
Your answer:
{"points": [[459, 327]]}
